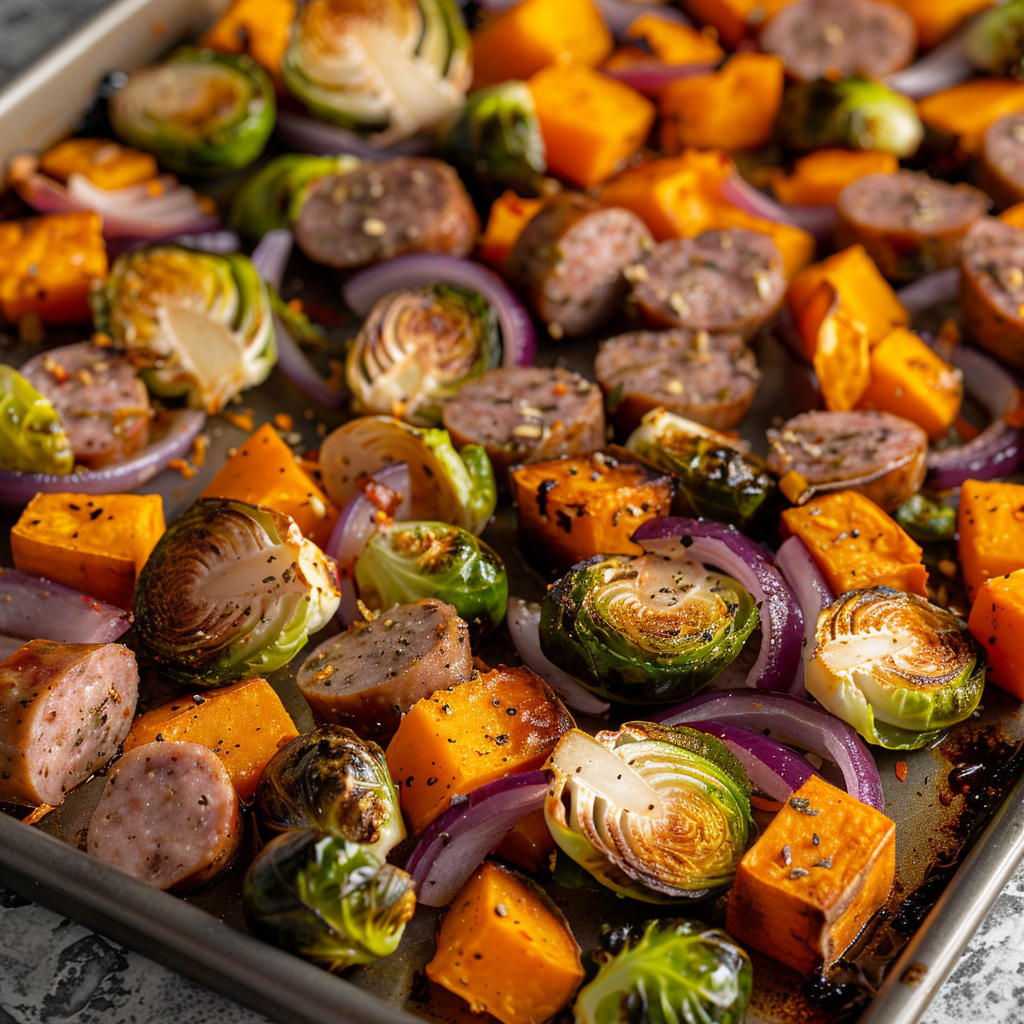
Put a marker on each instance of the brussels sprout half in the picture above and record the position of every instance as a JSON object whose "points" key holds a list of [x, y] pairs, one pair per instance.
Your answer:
{"points": [[231, 589], [995, 42], [32, 437], [326, 899], [898, 669], [199, 112], [199, 324], [671, 971], [645, 629]]}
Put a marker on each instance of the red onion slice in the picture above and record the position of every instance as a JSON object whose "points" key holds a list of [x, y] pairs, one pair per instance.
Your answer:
{"points": [[725, 548], [456, 843], [930, 290], [35, 608], [947, 65], [17, 489], [651, 77], [795, 722], [518, 339], [819, 221], [811, 591], [306, 134], [524, 627]]}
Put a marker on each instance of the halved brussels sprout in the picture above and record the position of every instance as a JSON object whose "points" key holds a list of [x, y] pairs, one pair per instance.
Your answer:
{"points": [[32, 437], [927, 519], [899, 669], [853, 112], [416, 349], [670, 971], [409, 561], [231, 589], [995, 42], [332, 781], [644, 629], [388, 69], [326, 899], [717, 478], [198, 324], [688, 847], [199, 112]]}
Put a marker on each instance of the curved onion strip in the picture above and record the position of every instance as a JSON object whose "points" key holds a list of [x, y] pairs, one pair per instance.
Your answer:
{"points": [[726, 549], [947, 65], [930, 290], [524, 627], [32, 607], [307, 134], [518, 339], [454, 845], [356, 524], [219, 241], [17, 489], [651, 77], [810, 589], [270, 257], [795, 722], [819, 221]]}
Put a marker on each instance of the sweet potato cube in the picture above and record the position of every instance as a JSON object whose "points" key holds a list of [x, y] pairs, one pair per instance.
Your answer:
{"points": [[803, 902], [505, 951], [673, 42], [734, 19], [260, 28], [855, 544], [997, 623], [965, 111], [528, 843], [95, 543], [990, 528], [818, 178], [244, 724], [460, 738], [107, 164], [935, 21], [509, 215]]}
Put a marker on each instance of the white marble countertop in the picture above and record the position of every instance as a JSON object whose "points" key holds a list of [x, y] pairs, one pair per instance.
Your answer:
{"points": [[52, 969]]}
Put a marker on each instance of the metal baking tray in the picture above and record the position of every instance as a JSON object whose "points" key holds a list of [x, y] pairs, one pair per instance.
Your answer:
{"points": [[959, 812]]}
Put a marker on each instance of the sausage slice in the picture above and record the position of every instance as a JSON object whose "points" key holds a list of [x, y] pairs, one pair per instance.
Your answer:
{"points": [[168, 816], [1001, 162], [64, 710], [880, 455]]}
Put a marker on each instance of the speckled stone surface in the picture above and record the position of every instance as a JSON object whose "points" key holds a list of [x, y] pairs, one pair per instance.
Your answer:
{"points": [[53, 970]]}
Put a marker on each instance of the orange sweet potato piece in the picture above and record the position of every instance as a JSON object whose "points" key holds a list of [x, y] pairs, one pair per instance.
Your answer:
{"points": [[260, 28], [734, 108], [458, 739], [244, 724], [855, 544], [506, 950], [509, 215], [674, 43], [806, 907], [997, 623], [841, 357], [528, 843], [818, 178], [734, 20], [105, 163], [965, 111], [1014, 215], [591, 123], [573, 508], [990, 530], [95, 543], [935, 21]]}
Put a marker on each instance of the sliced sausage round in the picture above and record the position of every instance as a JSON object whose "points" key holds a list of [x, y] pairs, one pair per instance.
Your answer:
{"points": [[992, 288], [102, 403], [527, 414], [64, 711], [880, 455], [386, 208], [710, 378], [841, 39], [910, 224], [370, 675], [168, 816], [1001, 162], [730, 280], [569, 261]]}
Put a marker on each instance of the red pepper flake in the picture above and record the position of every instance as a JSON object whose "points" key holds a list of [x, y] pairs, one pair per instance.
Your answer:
{"points": [[283, 421], [243, 420], [561, 389], [183, 467], [901, 771], [92, 603], [199, 445]]}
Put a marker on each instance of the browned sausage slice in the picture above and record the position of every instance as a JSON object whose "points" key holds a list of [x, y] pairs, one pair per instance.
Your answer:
{"points": [[386, 208], [368, 677], [909, 223], [168, 816], [710, 378], [102, 403], [1001, 162], [880, 455], [992, 288], [527, 414], [64, 710], [569, 260], [730, 280], [841, 38]]}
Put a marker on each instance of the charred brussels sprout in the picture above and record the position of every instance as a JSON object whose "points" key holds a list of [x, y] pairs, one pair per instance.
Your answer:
{"points": [[927, 519], [418, 347], [387, 69], [410, 561], [670, 826], [326, 899], [32, 438], [995, 42], [231, 589], [332, 781], [671, 971], [199, 112], [898, 669], [198, 324], [852, 112], [645, 629]]}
